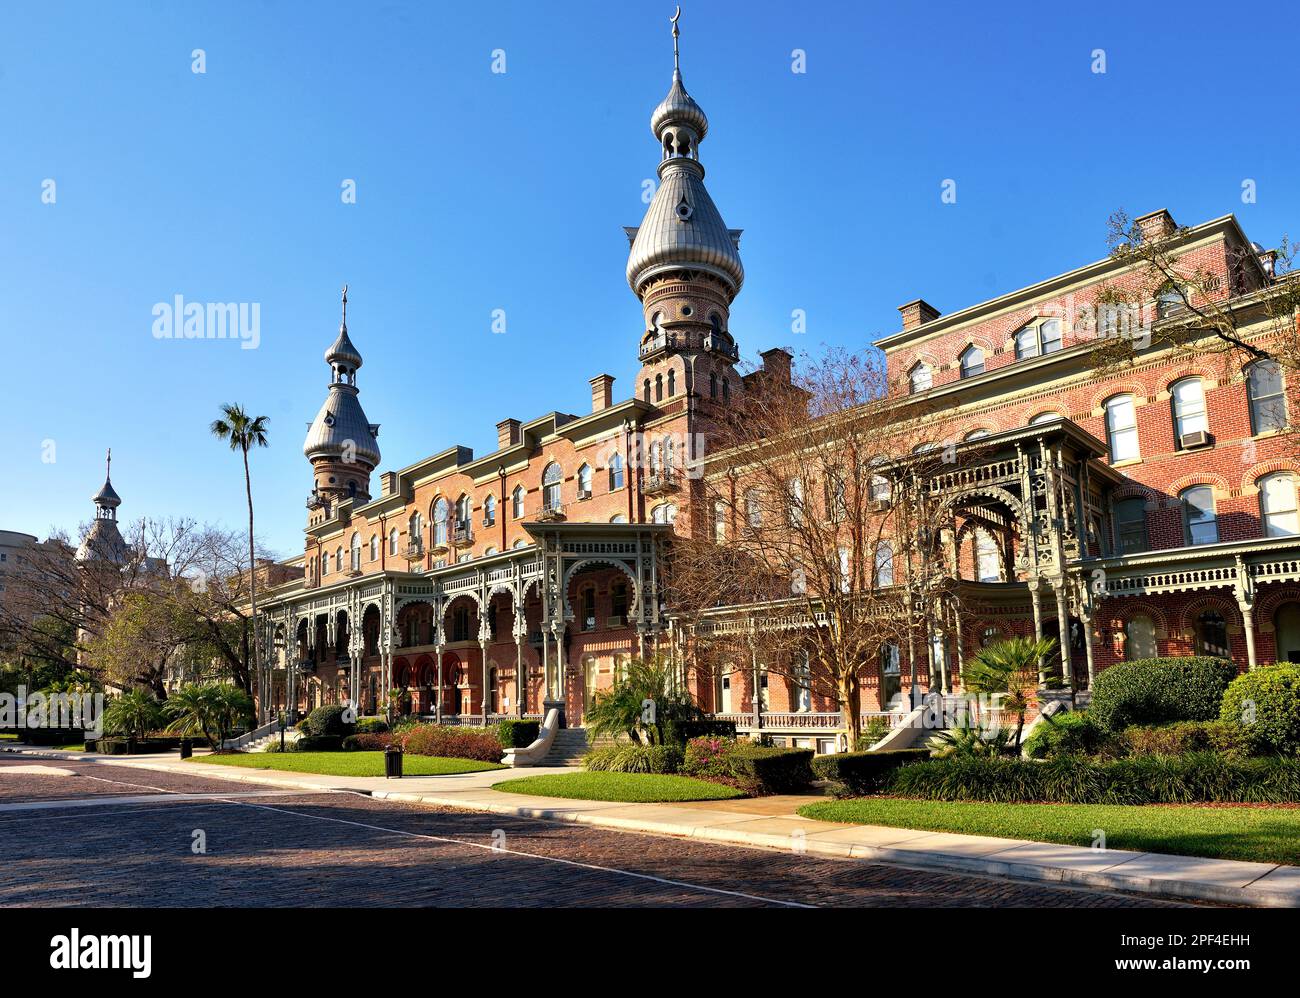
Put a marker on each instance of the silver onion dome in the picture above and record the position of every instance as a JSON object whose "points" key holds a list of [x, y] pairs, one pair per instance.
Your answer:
{"points": [[342, 352], [679, 108], [341, 430], [683, 228]]}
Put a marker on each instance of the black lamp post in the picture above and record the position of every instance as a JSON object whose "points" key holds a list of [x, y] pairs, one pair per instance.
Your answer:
{"points": [[281, 719]]}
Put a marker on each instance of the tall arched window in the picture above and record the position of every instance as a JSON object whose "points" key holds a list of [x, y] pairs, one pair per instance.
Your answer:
{"points": [[659, 387], [726, 389], [645, 389], [584, 482], [552, 478], [440, 511], [1139, 638], [880, 491], [713, 385], [753, 509], [884, 564], [988, 560], [972, 361], [1188, 400], [719, 521], [1267, 401], [615, 472], [490, 510], [672, 383], [919, 378], [392, 541], [1212, 635], [517, 503], [1277, 505], [1040, 337], [355, 550], [325, 563], [374, 547], [1121, 429], [1201, 525], [794, 501]]}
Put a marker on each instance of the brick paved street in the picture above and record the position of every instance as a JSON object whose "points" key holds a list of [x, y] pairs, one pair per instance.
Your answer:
{"points": [[64, 841]]}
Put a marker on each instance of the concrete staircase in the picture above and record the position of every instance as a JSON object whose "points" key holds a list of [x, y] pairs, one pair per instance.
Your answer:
{"points": [[569, 747], [291, 735]]}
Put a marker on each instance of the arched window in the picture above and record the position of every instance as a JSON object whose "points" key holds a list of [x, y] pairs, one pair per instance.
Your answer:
{"points": [[884, 564], [517, 503], [1044, 417], [656, 457], [672, 383], [392, 541], [666, 513], [1131, 525], [919, 378], [972, 361], [584, 482], [1267, 402], [1040, 337], [726, 389], [880, 490], [1200, 524], [794, 501], [1139, 638], [355, 549], [1188, 400], [338, 559], [719, 521], [490, 510], [615, 472], [618, 518], [491, 549], [440, 511], [659, 387], [1121, 429], [1212, 635], [713, 385], [464, 512], [646, 389], [976, 435], [1277, 505], [552, 477], [374, 547], [1286, 624], [325, 563], [988, 560], [1168, 301], [520, 544], [753, 509]]}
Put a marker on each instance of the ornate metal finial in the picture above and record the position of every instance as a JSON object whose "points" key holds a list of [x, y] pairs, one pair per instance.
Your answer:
{"points": [[345, 304], [108, 465], [677, 67]]}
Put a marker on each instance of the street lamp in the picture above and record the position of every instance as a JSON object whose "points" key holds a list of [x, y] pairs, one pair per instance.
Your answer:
{"points": [[280, 718]]}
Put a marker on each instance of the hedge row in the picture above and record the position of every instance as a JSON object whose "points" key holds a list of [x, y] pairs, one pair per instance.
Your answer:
{"points": [[1160, 690], [518, 733], [755, 768], [1265, 705], [854, 774], [1153, 779]]}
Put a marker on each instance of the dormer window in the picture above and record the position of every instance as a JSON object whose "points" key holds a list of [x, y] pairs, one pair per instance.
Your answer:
{"points": [[1039, 338]]}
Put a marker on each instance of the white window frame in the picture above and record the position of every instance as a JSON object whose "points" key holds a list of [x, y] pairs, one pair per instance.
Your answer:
{"points": [[1122, 429]]}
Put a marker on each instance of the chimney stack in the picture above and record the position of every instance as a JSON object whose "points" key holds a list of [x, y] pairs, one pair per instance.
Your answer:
{"points": [[1156, 225], [777, 365], [507, 433], [387, 483], [916, 313], [602, 392]]}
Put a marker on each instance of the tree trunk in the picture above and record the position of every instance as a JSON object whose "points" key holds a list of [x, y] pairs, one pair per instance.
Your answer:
{"points": [[252, 590], [850, 707]]}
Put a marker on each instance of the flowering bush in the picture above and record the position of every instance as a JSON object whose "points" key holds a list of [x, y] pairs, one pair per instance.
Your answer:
{"points": [[369, 741], [453, 742], [709, 756]]}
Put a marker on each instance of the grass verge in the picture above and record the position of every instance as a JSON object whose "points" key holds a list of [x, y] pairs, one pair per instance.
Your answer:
{"points": [[1256, 834], [347, 763], [631, 788]]}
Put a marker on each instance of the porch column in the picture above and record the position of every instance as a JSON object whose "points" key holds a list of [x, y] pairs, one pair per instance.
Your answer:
{"points": [[1063, 628], [1036, 601], [1085, 621], [437, 696], [1248, 622], [483, 646], [757, 695]]}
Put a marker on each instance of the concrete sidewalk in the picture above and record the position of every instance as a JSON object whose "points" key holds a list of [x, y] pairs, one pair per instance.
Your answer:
{"points": [[771, 822]]}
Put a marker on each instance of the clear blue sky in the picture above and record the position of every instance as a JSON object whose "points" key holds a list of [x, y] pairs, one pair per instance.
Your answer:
{"points": [[478, 191]]}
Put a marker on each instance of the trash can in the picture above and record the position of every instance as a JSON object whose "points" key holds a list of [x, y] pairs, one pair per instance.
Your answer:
{"points": [[393, 762], [187, 749]]}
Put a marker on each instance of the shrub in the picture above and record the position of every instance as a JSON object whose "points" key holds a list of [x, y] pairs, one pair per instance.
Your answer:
{"points": [[680, 731], [371, 726], [973, 741], [1187, 736], [371, 742], [635, 759], [853, 774], [872, 732], [454, 742], [1265, 706], [318, 743], [1154, 779], [1159, 690], [756, 768], [327, 720], [517, 733], [1071, 733]]}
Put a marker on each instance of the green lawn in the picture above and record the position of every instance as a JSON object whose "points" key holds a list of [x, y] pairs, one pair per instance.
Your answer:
{"points": [[632, 788], [1261, 834], [347, 763]]}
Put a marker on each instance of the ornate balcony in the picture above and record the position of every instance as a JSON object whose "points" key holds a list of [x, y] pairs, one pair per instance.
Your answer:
{"points": [[551, 513], [660, 483], [413, 551], [462, 535]]}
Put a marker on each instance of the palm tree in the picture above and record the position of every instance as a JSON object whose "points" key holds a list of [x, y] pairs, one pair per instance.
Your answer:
{"points": [[1010, 667], [133, 713], [646, 698], [244, 432], [213, 710]]}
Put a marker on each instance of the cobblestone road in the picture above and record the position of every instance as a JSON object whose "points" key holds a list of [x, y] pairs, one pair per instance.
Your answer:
{"points": [[79, 833]]}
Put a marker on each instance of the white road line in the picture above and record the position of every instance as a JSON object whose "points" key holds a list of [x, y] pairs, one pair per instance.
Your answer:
{"points": [[110, 799], [529, 855]]}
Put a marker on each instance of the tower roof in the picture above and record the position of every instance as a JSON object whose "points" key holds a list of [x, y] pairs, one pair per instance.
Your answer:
{"points": [[341, 429], [107, 496], [342, 351]]}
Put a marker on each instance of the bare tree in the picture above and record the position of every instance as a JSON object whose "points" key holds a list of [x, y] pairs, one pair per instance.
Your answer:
{"points": [[803, 524]]}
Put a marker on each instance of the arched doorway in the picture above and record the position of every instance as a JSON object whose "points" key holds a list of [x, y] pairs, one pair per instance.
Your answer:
{"points": [[1286, 623], [1212, 635]]}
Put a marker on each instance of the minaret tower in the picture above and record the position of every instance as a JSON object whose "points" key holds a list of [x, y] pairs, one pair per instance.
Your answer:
{"points": [[685, 263], [104, 541], [341, 443]]}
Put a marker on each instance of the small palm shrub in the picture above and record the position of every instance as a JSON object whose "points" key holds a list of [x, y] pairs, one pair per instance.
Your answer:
{"points": [[133, 714], [1160, 691], [972, 742], [1265, 706], [1010, 668], [213, 710], [635, 759]]}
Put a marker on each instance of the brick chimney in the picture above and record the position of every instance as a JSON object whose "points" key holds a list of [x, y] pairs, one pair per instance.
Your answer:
{"points": [[777, 364], [387, 483], [602, 392], [507, 433], [916, 313], [1156, 225]]}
